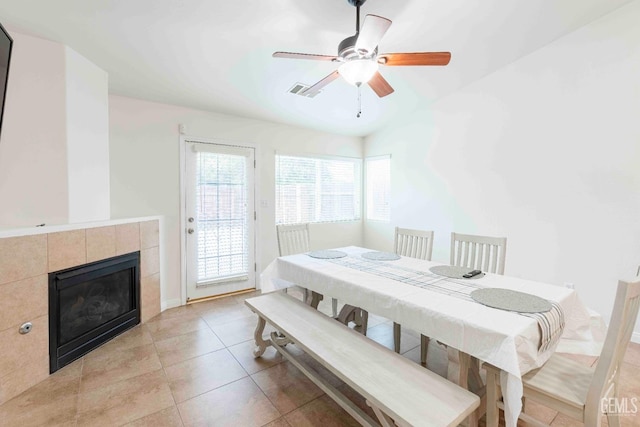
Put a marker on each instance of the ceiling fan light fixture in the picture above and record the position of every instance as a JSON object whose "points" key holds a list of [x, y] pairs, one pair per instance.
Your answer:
{"points": [[359, 58], [358, 71]]}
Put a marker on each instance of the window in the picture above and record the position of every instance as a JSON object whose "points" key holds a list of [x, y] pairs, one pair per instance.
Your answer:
{"points": [[312, 189], [378, 170]]}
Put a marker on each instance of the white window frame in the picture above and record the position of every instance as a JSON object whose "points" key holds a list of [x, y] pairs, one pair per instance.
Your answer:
{"points": [[183, 138], [358, 198], [369, 215]]}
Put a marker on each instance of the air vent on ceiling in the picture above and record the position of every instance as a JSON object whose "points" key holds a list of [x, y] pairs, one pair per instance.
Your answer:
{"points": [[299, 89]]}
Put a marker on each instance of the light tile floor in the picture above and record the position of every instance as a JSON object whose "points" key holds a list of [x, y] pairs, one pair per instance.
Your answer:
{"points": [[193, 366]]}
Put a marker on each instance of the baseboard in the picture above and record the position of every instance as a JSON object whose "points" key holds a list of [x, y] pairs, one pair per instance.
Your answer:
{"points": [[635, 337], [172, 303]]}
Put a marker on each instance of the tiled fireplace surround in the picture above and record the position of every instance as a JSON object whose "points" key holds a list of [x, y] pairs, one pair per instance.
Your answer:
{"points": [[25, 262]]}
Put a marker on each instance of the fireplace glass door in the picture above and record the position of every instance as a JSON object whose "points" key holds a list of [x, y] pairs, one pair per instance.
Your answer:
{"points": [[90, 304], [87, 305]]}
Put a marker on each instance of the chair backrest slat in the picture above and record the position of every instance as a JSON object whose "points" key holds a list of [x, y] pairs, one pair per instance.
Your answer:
{"points": [[473, 258], [293, 239], [484, 253], [413, 243], [480, 258], [494, 258], [623, 320]]}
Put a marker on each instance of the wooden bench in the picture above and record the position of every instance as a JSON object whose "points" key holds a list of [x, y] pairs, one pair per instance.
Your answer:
{"points": [[398, 390]]}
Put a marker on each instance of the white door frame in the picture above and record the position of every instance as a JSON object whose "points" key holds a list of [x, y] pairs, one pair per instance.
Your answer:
{"points": [[183, 205]]}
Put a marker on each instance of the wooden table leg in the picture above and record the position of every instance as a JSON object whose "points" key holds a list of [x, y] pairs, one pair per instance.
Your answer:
{"points": [[397, 330], [360, 317], [465, 371], [493, 394], [315, 299], [474, 374], [424, 346], [463, 374]]}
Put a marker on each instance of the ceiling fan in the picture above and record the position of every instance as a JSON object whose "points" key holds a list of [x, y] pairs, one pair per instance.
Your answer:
{"points": [[359, 58]]}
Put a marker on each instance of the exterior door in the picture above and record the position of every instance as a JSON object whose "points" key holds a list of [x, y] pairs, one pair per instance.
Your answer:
{"points": [[220, 219]]}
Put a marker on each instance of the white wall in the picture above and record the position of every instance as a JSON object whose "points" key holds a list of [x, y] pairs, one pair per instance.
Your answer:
{"points": [[54, 152], [544, 151], [33, 163], [87, 105], [145, 172]]}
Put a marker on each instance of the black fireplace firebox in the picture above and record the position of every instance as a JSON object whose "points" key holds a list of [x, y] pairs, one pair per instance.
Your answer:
{"points": [[90, 304]]}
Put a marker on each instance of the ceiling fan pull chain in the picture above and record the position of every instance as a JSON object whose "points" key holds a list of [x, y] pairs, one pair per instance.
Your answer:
{"points": [[359, 102]]}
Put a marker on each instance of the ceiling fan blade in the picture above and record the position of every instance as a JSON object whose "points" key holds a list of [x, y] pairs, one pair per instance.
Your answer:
{"points": [[415, 58], [322, 83], [379, 85], [372, 31], [294, 55]]}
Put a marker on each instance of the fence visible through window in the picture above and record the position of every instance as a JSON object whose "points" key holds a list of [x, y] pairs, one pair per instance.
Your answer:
{"points": [[378, 188], [317, 189], [221, 197]]}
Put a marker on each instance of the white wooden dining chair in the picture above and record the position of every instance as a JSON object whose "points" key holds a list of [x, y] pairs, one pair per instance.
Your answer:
{"points": [[294, 239], [414, 244], [479, 252], [578, 391], [484, 253]]}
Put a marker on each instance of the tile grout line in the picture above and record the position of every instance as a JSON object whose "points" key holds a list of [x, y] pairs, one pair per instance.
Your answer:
{"points": [[205, 392], [281, 415], [237, 358], [77, 414], [248, 375], [166, 378], [116, 351]]}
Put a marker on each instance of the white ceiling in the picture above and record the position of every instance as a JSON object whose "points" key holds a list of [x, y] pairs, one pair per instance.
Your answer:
{"points": [[216, 55]]}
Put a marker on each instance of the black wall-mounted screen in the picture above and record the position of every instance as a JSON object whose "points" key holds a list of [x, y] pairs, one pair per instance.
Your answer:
{"points": [[6, 43]]}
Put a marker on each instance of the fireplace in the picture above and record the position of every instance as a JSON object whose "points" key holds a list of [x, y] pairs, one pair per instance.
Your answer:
{"points": [[90, 304]]}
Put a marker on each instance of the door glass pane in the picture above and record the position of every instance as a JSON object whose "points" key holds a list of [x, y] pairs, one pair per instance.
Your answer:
{"points": [[221, 218]]}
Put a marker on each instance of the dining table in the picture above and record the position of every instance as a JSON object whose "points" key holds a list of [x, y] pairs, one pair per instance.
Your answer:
{"points": [[422, 296]]}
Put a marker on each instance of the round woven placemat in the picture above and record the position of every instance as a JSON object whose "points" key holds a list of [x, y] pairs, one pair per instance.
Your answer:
{"points": [[380, 256], [453, 271], [327, 254], [506, 299]]}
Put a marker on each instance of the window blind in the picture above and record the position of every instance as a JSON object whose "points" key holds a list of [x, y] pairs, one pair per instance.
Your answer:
{"points": [[221, 215], [312, 189], [378, 187]]}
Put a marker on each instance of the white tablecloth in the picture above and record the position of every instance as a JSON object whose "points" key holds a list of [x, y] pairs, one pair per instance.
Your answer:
{"points": [[504, 339]]}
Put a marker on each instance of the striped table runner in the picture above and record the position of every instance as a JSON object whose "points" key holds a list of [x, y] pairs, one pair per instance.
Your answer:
{"points": [[550, 323]]}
